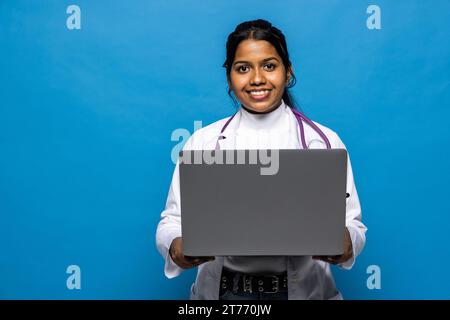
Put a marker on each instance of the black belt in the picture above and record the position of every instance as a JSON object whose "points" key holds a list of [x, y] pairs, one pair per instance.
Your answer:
{"points": [[247, 283]]}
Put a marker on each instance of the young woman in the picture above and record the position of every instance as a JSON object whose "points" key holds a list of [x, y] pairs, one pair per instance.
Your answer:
{"points": [[259, 74]]}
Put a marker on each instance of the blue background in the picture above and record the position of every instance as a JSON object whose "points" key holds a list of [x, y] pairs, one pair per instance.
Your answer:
{"points": [[86, 118]]}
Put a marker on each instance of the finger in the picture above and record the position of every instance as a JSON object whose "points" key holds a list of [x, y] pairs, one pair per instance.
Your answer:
{"points": [[207, 258], [204, 259], [191, 261], [337, 259], [198, 259], [183, 261], [183, 264], [328, 259], [191, 258], [187, 264]]}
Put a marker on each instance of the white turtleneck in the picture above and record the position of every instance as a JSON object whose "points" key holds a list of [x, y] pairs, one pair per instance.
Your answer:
{"points": [[274, 130]]}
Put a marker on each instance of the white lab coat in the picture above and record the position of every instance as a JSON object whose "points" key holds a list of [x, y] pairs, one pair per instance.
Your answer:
{"points": [[307, 278]]}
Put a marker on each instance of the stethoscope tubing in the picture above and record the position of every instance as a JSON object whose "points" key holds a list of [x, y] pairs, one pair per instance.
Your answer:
{"points": [[300, 118]]}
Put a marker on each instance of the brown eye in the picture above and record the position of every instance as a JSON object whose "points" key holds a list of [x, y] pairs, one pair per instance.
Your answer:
{"points": [[269, 67], [242, 69]]}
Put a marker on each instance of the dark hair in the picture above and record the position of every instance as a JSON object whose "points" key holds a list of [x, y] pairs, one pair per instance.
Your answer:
{"points": [[260, 30]]}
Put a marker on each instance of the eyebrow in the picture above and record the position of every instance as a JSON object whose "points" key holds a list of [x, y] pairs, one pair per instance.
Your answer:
{"points": [[264, 60]]}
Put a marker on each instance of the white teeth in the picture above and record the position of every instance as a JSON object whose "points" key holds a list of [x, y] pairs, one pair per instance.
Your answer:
{"points": [[259, 92]]}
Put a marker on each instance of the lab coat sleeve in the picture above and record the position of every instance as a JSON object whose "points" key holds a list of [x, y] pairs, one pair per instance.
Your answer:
{"points": [[169, 227], [353, 221]]}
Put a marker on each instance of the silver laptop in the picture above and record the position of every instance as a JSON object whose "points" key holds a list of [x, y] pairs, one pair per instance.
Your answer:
{"points": [[263, 202]]}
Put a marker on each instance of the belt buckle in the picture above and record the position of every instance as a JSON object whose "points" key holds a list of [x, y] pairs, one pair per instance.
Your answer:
{"points": [[276, 285], [247, 283]]}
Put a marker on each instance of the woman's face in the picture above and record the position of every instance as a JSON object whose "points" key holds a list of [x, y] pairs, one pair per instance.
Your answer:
{"points": [[258, 76]]}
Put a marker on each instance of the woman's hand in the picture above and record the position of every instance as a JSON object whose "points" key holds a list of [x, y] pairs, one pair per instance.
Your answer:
{"points": [[348, 251], [185, 262]]}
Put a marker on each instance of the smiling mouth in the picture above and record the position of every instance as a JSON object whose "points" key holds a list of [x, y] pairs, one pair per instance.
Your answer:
{"points": [[259, 94]]}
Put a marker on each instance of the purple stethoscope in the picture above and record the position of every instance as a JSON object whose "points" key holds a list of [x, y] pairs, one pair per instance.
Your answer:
{"points": [[300, 118]]}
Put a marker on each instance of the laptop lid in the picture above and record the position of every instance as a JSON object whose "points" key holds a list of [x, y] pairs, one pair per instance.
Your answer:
{"points": [[263, 202]]}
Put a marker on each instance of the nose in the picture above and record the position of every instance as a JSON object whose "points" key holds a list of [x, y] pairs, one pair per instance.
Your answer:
{"points": [[257, 78]]}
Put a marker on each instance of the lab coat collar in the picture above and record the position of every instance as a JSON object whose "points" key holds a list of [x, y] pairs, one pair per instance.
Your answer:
{"points": [[228, 137]]}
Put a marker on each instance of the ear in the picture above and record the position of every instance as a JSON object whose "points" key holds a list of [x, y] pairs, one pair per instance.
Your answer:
{"points": [[288, 74], [229, 83]]}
